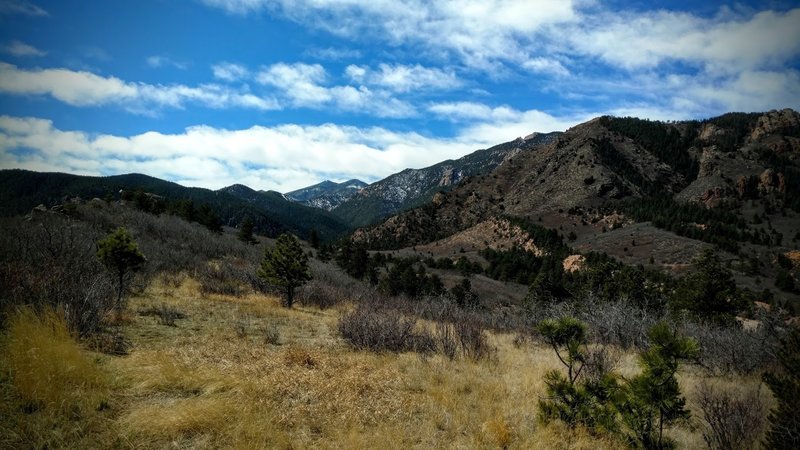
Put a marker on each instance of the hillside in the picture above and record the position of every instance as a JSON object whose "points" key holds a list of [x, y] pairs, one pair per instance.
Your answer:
{"points": [[201, 340], [22, 190], [327, 194], [729, 182], [414, 187]]}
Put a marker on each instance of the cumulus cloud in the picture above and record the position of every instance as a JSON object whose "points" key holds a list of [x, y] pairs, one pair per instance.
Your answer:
{"points": [[227, 71], [261, 157], [404, 78], [81, 88], [582, 42], [478, 32], [721, 43], [20, 49], [305, 85]]}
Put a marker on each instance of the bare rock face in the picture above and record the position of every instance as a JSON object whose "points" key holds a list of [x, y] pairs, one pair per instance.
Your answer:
{"points": [[714, 196], [449, 176], [771, 181], [712, 134], [785, 122], [708, 162], [573, 263]]}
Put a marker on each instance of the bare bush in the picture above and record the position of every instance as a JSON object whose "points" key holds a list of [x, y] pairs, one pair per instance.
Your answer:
{"points": [[320, 294], [473, 341], [600, 360], [622, 323], [49, 261], [446, 340], [380, 330], [733, 349], [732, 419], [228, 277]]}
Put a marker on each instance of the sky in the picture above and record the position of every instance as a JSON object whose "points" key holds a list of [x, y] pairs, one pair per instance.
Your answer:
{"points": [[282, 94]]}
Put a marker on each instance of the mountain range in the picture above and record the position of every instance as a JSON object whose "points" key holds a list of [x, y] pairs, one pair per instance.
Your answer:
{"points": [[643, 192], [271, 212]]}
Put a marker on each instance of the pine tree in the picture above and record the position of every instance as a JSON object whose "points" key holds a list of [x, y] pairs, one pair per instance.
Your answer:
{"points": [[285, 265], [210, 219], [709, 293], [120, 254], [653, 399], [784, 420], [246, 231]]}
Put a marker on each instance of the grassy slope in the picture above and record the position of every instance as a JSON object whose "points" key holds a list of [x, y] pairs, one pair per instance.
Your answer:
{"points": [[213, 382]]}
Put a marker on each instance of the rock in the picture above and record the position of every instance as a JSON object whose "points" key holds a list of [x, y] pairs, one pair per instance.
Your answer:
{"points": [[714, 196], [785, 122], [771, 181], [573, 263]]}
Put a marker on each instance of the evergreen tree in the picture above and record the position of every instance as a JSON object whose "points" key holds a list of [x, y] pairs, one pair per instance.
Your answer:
{"points": [[313, 239], [709, 293], [246, 231], [653, 399], [285, 265], [208, 218], [120, 255], [784, 420]]}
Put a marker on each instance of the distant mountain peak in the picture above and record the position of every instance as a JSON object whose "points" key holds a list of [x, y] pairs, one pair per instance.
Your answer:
{"points": [[327, 194]]}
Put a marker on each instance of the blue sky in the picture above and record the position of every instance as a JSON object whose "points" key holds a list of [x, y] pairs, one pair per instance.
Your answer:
{"points": [[280, 94]]}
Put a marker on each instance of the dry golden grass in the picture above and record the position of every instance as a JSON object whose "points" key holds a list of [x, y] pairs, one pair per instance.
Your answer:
{"points": [[213, 382], [53, 393]]}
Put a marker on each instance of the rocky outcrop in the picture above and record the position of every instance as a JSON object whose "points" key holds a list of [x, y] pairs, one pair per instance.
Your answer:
{"points": [[574, 263], [785, 122]]}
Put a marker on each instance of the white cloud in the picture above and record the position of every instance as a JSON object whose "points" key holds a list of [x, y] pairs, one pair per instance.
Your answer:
{"points": [[304, 86], [261, 157], [404, 78], [18, 48], [582, 40], [546, 66], [722, 43], [479, 32], [158, 61], [333, 54], [227, 71], [457, 111], [20, 7], [300, 82], [80, 88]]}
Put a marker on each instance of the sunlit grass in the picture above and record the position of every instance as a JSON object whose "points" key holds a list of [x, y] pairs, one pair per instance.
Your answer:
{"points": [[213, 382], [53, 391]]}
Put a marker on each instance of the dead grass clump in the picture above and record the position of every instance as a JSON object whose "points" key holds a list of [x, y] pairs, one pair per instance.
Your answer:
{"points": [[299, 356], [48, 369], [271, 333], [172, 418], [167, 315], [499, 431], [52, 393]]}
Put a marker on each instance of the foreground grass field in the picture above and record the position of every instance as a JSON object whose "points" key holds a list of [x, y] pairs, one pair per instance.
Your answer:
{"points": [[243, 372]]}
